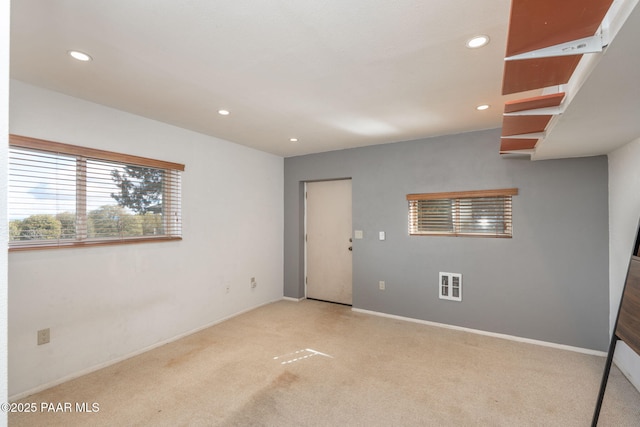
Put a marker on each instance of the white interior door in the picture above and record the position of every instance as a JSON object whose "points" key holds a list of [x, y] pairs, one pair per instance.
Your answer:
{"points": [[328, 234]]}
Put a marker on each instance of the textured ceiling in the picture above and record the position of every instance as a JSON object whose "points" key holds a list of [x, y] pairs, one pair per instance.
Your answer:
{"points": [[334, 74]]}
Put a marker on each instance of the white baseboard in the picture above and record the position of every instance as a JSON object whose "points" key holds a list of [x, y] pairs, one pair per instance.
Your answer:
{"points": [[103, 365], [489, 334], [375, 313], [628, 362]]}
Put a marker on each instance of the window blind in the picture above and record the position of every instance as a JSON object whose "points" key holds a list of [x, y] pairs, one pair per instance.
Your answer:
{"points": [[471, 213], [65, 195]]}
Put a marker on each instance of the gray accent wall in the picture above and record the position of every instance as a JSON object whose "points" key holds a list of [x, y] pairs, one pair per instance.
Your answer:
{"points": [[549, 282]]}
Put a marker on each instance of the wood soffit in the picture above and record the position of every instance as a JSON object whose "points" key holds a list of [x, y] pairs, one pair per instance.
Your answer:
{"points": [[534, 103], [515, 144], [519, 125], [534, 25], [528, 74]]}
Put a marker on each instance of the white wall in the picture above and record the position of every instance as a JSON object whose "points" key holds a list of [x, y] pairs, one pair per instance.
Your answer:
{"points": [[103, 304], [4, 127], [624, 211]]}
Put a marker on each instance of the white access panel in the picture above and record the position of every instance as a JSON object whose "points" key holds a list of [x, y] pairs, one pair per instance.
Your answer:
{"points": [[450, 286]]}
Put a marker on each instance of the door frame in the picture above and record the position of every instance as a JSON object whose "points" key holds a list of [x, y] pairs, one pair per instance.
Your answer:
{"points": [[304, 235]]}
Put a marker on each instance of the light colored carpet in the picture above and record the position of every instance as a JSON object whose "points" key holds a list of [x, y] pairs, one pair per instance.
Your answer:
{"points": [[318, 364]]}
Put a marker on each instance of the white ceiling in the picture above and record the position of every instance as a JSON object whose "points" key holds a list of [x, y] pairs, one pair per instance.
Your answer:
{"points": [[333, 73]]}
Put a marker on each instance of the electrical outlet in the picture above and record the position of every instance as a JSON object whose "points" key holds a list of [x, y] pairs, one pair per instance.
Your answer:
{"points": [[381, 285], [44, 336], [253, 283]]}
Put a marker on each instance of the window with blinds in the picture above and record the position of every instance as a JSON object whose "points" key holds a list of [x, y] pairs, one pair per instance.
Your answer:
{"points": [[468, 213], [62, 195]]}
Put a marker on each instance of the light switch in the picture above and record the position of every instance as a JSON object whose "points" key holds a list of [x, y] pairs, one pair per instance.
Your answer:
{"points": [[381, 235]]}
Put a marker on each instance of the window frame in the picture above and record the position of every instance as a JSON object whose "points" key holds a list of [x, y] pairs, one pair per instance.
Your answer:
{"points": [[455, 217], [81, 155]]}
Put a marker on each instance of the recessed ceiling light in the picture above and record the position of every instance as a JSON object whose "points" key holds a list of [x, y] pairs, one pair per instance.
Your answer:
{"points": [[223, 112], [293, 139], [80, 56], [477, 41], [482, 107]]}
